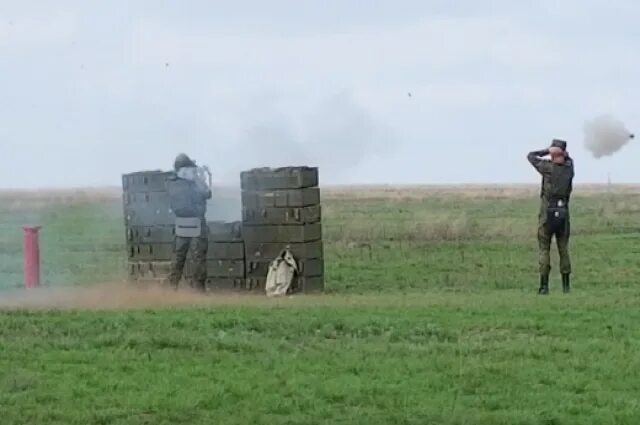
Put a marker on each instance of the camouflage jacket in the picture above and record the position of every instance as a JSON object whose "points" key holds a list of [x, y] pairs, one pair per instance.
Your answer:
{"points": [[187, 197], [557, 179]]}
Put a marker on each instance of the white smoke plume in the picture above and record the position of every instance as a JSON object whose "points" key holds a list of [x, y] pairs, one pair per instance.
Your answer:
{"points": [[333, 132], [605, 135]]}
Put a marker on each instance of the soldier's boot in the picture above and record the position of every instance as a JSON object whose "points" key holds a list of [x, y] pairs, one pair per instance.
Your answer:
{"points": [[198, 285], [201, 287], [566, 283], [173, 281], [544, 284]]}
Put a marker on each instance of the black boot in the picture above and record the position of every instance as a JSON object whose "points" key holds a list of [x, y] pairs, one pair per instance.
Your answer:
{"points": [[199, 285], [172, 284], [544, 284], [566, 283]]}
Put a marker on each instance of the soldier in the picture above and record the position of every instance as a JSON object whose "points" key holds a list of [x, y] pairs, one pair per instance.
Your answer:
{"points": [[188, 194], [553, 220]]}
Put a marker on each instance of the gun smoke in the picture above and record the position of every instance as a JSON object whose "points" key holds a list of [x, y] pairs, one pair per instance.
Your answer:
{"points": [[605, 135], [335, 134]]}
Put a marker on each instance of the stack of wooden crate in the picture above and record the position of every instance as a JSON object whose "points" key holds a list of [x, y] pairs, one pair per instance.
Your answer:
{"points": [[149, 224], [280, 210]]}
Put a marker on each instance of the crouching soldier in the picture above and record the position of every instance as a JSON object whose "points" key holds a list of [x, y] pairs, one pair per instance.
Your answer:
{"points": [[553, 220], [188, 194]]}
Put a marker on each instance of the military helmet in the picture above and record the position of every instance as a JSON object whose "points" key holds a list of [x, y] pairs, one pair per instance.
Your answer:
{"points": [[559, 144], [183, 160]]}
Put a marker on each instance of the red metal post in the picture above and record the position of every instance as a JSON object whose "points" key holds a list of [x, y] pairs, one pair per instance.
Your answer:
{"points": [[31, 256]]}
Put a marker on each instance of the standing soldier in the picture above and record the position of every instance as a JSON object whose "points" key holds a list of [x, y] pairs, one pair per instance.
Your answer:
{"points": [[188, 193], [553, 220]]}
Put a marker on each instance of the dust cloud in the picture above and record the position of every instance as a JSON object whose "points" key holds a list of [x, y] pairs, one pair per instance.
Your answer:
{"points": [[605, 135], [110, 296]]}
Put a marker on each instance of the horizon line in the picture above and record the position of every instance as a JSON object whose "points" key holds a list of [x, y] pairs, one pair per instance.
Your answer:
{"points": [[330, 186]]}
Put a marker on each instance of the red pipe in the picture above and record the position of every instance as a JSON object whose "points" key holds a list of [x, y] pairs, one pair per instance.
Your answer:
{"points": [[31, 256]]}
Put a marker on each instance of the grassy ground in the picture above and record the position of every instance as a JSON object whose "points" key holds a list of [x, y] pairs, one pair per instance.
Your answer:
{"points": [[431, 317]]}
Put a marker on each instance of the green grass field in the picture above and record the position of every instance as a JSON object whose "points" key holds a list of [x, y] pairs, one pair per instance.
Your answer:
{"points": [[430, 316]]}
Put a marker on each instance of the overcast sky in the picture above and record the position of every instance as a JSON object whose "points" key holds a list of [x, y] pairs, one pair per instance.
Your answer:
{"points": [[94, 89]]}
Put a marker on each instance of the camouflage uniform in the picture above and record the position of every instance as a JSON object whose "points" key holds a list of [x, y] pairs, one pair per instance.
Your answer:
{"points": [[189, 199], [557, 185], [198, 259]]}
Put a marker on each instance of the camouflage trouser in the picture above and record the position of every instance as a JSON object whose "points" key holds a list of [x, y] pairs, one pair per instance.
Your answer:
{"points": [[198, 259], [544, 243]]}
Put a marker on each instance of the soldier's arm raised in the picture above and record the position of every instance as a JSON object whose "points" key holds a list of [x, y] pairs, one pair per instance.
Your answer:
{"points": [[535, 158], [203, 189], [206, 192], [568, 160]]}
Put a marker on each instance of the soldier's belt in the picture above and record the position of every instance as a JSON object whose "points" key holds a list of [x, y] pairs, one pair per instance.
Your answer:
{"points": [[188, 227]]}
